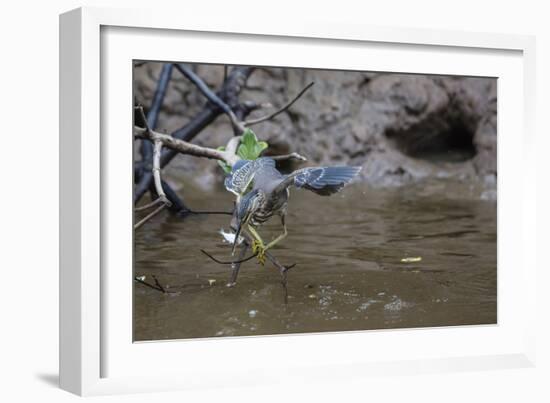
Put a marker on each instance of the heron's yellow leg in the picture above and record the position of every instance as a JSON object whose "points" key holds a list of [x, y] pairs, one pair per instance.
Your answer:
{"points": [[258, 245], [278, 239]]}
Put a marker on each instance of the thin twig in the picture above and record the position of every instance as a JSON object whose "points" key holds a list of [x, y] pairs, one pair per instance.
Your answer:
{"points": [[290, 156], [157, 283], [149, 216], [145, 283], [249, 106], [281, 110], [148, 205], [228, 262], [283, 270]]}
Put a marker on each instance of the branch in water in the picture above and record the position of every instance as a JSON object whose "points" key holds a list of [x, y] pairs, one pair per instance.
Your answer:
{"points": [[229, 262], [157, 285]]}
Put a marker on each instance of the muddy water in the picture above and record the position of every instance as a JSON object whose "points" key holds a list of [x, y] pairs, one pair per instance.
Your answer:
{"points": [[349, 273]]}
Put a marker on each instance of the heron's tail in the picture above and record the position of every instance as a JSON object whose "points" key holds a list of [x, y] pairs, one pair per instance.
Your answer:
{"points": [[324, 180]]}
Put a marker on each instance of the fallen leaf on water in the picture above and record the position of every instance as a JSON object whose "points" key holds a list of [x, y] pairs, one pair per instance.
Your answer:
{"points": [[411, 259]]}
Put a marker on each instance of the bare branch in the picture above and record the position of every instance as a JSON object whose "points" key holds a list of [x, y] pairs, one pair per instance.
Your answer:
{"points": [[229, 93], [142, 116], [291, 156], [228, 262], [249, 106], [159, 139], [157, 286], [148, 205], [279, 111], [229, 156], [211, 96], [157, 283], [157, 152], [153, 114], [283, 269], [149, 216], [145, 283], [178, 206], [184, 147]]}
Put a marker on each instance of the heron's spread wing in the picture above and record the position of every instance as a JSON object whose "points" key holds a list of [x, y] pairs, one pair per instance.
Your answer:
{"points": [[322, 180], [242, 175]]}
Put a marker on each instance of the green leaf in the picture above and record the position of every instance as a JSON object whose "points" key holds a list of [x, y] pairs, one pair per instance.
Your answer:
{"points": [[225, 167], [250, 148], [260, 146]]}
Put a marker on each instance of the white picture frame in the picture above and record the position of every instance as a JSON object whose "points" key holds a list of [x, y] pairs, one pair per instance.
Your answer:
{"points": [[96, 354]]}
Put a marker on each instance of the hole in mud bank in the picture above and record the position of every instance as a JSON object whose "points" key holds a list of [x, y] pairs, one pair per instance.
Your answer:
{"points": [[287, 166], [436, 141]]}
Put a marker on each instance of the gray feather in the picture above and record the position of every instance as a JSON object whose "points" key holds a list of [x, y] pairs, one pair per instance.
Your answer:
{"points": [[322, 180]]}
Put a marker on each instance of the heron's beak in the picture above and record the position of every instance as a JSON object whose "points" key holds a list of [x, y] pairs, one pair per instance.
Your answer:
{"points": [[236, 241]]}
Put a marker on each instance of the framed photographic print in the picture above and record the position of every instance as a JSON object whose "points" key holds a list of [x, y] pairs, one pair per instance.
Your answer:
{"points": [[240, 197]]}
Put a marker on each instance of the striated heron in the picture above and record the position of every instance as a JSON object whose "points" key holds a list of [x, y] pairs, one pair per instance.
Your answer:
{"points": [[262, 192]]}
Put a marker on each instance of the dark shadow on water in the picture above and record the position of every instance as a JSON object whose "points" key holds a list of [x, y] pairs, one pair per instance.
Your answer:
{"points": [[49, 379]]}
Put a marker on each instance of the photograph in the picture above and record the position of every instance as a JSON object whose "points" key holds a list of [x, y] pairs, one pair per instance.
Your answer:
{"points": [[274, 200]]}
